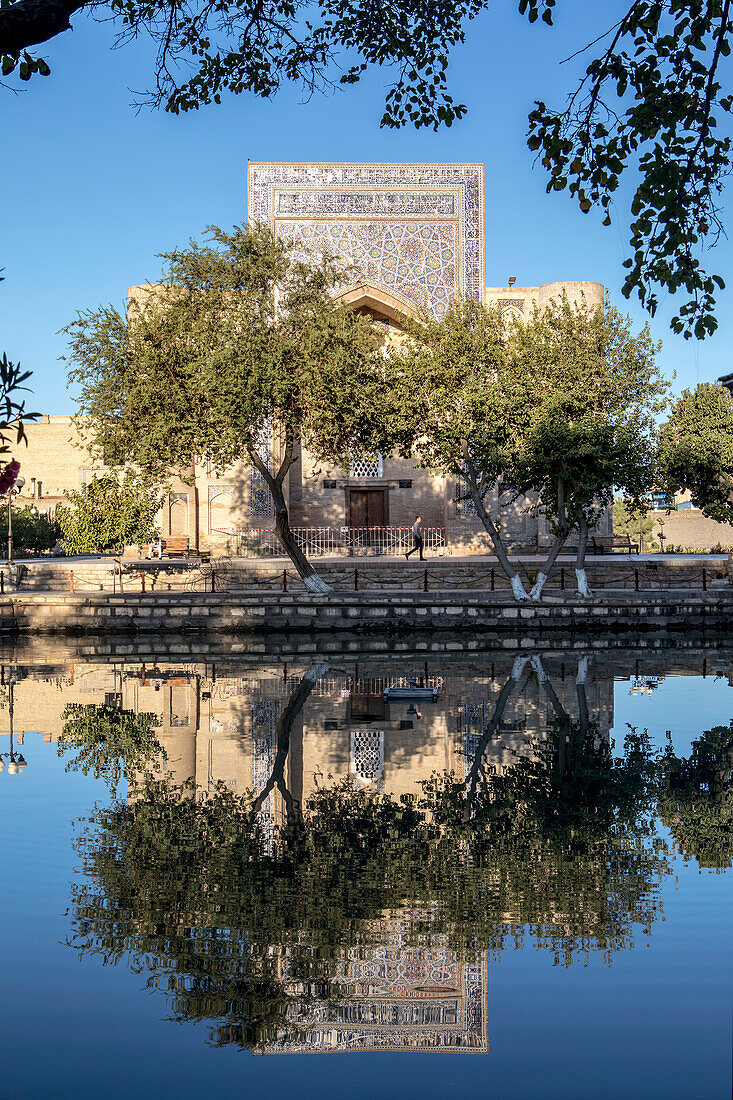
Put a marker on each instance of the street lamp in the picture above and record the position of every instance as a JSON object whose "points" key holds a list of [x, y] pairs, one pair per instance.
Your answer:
{"points": [[15, 760], [14, 491]]}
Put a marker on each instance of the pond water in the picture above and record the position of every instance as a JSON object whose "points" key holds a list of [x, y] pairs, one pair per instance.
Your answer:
{"points": [[367, 874]]}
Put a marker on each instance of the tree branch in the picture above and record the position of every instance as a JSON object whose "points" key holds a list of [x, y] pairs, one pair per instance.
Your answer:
{"points": [[29, 22]]}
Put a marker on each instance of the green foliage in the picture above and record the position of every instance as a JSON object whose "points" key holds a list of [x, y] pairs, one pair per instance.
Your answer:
{"points": [[650, 102], [242, 342], [13, 412], [595, 389], [245, 923], [696, 449], [241, 335], [109, 513], [32, 530], [696, 798], [109, 743], [629, 519], [246, 935], [560, 408]]}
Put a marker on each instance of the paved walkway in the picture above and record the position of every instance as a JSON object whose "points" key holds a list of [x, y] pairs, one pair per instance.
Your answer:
{"points": [[367, 559]]}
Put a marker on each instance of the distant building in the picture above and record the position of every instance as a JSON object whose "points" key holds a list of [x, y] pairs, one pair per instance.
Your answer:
{"points": [[416, 235]]}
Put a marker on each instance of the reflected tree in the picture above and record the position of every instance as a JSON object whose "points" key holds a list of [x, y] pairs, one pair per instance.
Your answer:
{"points": [[696, 798], [250, 935], [108, 742]]}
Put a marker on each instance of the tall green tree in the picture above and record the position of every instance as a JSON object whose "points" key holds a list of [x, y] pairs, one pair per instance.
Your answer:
{"points": [[559, 408], [653, 101], [634, 521], [596, 391], [241, 353], [696, 449]]}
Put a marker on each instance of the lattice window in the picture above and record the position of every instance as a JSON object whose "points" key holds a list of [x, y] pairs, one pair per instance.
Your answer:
{"points": [[260, 497], [367, 755], [464, 504], [471, 723], [366, 466], [263, 718]]}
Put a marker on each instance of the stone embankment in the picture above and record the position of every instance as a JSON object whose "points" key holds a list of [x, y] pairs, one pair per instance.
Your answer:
{"points": [[366, 614]]}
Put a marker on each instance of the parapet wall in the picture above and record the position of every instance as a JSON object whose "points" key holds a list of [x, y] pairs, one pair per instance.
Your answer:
{"points": [[374, 574]]}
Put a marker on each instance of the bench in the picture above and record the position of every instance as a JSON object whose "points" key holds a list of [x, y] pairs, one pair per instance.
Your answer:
{"points": [[171, 547], [606, 544]]}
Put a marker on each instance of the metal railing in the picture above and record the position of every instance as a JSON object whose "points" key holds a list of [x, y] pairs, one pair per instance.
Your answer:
{"points": [[326, 541]]}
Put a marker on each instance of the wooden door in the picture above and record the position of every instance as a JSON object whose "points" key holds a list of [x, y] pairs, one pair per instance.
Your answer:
{"points": [[366, 508]]}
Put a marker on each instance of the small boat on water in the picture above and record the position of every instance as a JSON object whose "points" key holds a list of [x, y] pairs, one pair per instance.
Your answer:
{"points": [[410, 693]]}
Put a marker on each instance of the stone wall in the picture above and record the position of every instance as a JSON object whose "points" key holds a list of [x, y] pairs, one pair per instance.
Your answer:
{"points": [[692, 530], [459, 616]]}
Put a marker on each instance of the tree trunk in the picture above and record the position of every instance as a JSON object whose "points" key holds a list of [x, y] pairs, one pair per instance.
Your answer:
{"points": [[580, 691], [311, 579], [520, 593], [539, 584], [580, 573], [284, 728], [563, 719], [476, 771]]}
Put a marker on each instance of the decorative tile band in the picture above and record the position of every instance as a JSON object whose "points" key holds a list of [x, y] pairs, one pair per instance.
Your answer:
{"points": [[361, 203], [416, 229]]}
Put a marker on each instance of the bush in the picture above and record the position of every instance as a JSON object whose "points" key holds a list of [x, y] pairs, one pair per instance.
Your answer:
{"points": [[109, 513], [32, 530]]}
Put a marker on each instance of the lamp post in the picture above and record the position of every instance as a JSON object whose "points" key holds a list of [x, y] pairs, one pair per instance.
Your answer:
{"points": [[20, 482], [16, 760]]}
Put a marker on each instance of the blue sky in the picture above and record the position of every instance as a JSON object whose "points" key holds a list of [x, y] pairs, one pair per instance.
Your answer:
{"points": [[93, 190]]}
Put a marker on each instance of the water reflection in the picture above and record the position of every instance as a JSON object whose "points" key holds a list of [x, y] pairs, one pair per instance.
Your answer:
{"points": [[311, 860]]}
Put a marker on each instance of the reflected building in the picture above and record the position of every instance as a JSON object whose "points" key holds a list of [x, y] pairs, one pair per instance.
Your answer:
{"points": [[220, 725], [398, 986], [397, 996]]}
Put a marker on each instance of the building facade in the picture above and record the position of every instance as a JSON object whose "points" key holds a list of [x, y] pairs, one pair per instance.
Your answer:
{"points": [[414, 236]]}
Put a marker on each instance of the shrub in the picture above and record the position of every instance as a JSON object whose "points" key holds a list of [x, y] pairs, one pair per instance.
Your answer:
{"points": [[32, 530], [109, 513]]}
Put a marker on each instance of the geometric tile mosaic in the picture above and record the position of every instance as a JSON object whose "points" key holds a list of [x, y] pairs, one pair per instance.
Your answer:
{"points": [[416, 230]]}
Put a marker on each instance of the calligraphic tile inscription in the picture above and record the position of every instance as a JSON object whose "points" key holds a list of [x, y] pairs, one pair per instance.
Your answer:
{"points": [[414, 230]]}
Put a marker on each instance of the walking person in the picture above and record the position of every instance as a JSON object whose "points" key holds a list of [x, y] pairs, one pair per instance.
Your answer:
{"points": [[417, 538]]}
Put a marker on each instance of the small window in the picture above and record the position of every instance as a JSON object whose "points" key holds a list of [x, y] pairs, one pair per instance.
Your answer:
{"points": [[366, 466], [39, 489], [406, 724], [330, 724]]}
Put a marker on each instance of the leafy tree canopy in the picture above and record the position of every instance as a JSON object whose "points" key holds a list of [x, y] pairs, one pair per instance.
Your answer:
{"points": [[654, 99], [630, 518], [696, 449], [32, 530], [560, 407]]}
